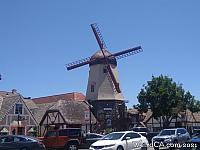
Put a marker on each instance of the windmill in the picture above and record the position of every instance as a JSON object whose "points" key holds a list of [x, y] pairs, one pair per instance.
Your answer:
{"points": [[103, 89]]}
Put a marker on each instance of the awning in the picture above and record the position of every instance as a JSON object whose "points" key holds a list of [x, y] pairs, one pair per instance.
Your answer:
{"points": [[4, 130]]}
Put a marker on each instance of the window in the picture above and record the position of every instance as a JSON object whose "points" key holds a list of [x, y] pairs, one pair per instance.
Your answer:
{"points": [[70, 132], [92, 88], [51, 133], [131, 135], [18, 109], [181, 131], [104, 70]]}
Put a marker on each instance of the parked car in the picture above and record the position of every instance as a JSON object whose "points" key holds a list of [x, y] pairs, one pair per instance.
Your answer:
{"points": [[91, 138], [170, 136], [68, 139], [142, 130], [20, 142], [196, 132], [150, 135], [193, 144], [127, 140]]}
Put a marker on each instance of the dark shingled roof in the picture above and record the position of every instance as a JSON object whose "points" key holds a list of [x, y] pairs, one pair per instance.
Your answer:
{"points": [[71, 106], [73, 111]]}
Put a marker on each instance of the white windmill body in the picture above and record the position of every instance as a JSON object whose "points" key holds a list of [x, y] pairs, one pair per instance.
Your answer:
{"points": [[100, 85]]}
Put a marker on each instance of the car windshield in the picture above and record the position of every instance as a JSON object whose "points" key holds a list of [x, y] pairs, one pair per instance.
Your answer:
{"points": [[167, 132], [113, 136]]}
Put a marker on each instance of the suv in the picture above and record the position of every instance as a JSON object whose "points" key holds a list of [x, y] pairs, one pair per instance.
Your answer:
{"points": [[170, 136], [67, 139]]}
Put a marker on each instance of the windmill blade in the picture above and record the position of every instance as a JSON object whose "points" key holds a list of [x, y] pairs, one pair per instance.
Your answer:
{"points": [[111, 74], [78, 63], [128, 52], [116, 84], [98, 36]]}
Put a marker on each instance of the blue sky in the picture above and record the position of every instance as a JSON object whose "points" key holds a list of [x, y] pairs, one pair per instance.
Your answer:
{"points": [[37, 39]]}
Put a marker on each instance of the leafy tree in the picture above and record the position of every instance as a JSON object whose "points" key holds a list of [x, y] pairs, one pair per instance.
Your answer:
{"points": [[165, 98]]}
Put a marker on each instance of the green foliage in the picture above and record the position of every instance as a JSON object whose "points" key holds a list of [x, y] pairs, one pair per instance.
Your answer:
{"points": [[165, 98]]}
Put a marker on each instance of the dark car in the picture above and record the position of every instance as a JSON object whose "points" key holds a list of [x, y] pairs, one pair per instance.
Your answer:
{"points": [[20, 142], [91, 138], [193, 144], [150, 135]]}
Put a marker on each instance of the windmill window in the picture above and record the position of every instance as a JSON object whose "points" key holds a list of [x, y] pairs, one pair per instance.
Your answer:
{"points": [[18, 109], [104, 70], [92, 88]]}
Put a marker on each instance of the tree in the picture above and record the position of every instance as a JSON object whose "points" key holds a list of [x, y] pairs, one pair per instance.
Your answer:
{"points": [[162, 95]]}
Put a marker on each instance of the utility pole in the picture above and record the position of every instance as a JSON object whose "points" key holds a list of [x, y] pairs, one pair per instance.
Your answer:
{"points": [[90, 109]]}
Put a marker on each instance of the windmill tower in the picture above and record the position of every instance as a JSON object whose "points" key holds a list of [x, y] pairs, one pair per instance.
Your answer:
{"points": [[103, 89]]}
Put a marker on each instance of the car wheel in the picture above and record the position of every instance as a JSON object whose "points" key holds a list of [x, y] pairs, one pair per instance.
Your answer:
{"points": [[120, 148], [144, 146], [72, 146], [156, 148]]}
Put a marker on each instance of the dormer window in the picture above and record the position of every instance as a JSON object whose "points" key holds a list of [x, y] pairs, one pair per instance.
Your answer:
{"points": [[18, 109]]}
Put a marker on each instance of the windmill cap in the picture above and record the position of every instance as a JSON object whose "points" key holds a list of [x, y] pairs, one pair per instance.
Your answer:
{"points": [[99, 54], [98, 58]]}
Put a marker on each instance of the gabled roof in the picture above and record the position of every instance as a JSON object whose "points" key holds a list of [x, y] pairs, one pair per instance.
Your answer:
{"points": [[73, 111], [54, 98], [7, 101]]}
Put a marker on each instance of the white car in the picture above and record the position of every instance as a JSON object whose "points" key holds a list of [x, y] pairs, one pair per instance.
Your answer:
{"points": [[125, 140]]}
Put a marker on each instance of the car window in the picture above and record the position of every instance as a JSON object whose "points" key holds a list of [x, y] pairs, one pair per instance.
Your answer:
{"points": [[135, 135], [19, 139], [51, 133], [181, 131], [167, 132], [113, 136], [7, 139], [74, 132], [70, 132], [127, 135], [131, 135], [63, 132]]}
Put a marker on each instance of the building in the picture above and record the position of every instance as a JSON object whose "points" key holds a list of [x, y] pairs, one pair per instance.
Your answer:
{"points": [[61, 111], [185, 119], [15, 117]]}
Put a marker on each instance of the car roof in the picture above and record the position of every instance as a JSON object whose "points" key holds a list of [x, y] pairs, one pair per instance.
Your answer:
{"points": [[196, 140], [173, 128], [125, 132], [22, 136]]}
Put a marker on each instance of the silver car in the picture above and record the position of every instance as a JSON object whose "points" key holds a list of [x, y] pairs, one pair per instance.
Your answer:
{"points": [[170, 137]]}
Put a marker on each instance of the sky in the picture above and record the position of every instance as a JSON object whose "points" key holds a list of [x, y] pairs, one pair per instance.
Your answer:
{"points": [[37, 39]]}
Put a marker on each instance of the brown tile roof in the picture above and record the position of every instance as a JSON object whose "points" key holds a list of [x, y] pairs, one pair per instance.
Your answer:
{"points": [[54, 98]]}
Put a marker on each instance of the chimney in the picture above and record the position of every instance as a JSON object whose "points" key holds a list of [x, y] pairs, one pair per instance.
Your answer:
{"points": [[14, 91]]}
